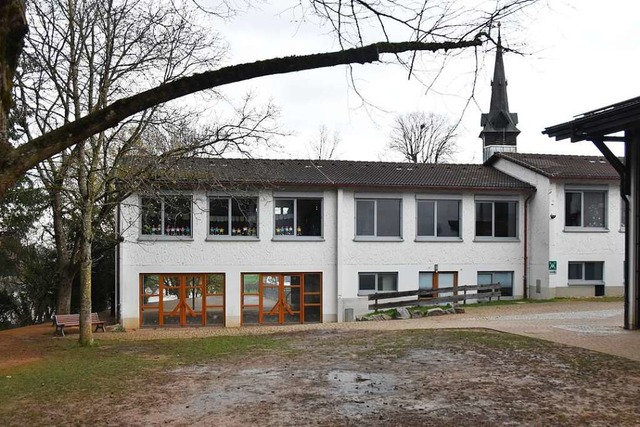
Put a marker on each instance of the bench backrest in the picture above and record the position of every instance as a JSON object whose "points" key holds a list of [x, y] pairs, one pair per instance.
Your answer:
{"points": [[74, 319]]}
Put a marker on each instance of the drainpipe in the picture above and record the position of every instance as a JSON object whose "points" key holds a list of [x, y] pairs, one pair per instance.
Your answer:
{"points": [[117, 281], [526, 245]]}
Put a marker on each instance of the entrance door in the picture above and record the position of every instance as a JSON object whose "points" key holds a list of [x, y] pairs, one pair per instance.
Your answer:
{"points": [[280, 298], [182, 299]]}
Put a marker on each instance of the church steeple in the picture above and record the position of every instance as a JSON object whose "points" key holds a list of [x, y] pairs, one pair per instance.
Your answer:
{"points": [[499, 131]]}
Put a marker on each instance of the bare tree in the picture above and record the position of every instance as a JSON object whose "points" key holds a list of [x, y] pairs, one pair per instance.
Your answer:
{"points": [[80, 56], [363, 28], [323, 146], [423, 138]]}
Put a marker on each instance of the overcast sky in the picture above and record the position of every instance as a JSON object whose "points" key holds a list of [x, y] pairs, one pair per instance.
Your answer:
{"points": [[582, 54]]}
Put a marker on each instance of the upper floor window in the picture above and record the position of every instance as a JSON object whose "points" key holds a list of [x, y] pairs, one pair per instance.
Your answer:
{"points": [[378, 217], [298, 217], [369, 283], [230, 216], [166, 216], [438, 218], [497, 219], [585, 208], [586, 272]]}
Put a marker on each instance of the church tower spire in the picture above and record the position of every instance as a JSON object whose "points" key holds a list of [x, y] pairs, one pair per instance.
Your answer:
{"points": [[499, 132]]}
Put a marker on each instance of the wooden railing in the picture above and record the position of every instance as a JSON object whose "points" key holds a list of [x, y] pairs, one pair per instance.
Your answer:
{"points": [[431, 296]]}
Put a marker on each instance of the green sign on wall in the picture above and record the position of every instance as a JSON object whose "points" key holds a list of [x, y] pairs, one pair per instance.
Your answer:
{"points": [[553, 267]]}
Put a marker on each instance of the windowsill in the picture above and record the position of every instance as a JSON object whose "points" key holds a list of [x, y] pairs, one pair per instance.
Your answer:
{"points": [[585, 230], [160, 238], [496, 239], [232, 239], [585, 283], [297, 239], [367, 293], [437, 239], [377, 239]]}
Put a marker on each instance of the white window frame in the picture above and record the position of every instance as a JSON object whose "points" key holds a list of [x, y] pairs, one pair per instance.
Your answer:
{"points": [[493, 200], [436, 200], [493, 272], [586, 189], [376, 274], [583, 281], [229, 235], [161, 197], [374, 236], [295, 198]]}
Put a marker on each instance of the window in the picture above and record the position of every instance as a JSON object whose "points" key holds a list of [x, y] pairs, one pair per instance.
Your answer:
{"points": [[298, 217], [369, 283], [229, 216], [497, 219], [586, 272], [166, 216], [438, 218], [504, 278], [585, 209], [378, 217], [428, 280]]}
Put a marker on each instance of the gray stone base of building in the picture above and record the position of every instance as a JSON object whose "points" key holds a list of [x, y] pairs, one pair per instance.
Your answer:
{"points": [[574, 291]]}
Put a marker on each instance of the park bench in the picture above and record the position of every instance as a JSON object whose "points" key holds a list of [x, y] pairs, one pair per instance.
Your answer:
{"points": [[61, 321]]}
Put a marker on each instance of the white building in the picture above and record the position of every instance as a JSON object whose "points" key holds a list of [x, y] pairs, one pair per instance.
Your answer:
{"points": [[301, 241], [235, 241]]}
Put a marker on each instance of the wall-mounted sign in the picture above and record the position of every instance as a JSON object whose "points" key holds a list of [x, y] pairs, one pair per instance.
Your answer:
{"points": [[553, 267]]}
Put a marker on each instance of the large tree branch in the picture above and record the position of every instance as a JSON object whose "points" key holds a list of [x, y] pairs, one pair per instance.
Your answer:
{"points": [[26, 156]]}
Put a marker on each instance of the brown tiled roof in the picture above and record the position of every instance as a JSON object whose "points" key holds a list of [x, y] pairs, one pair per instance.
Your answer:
{"points": [[557, 166], [338, 173]]}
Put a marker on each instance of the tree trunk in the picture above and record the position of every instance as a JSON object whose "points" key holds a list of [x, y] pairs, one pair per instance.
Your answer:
{"points": [[63, 302], [13, 28], [86, 332]]}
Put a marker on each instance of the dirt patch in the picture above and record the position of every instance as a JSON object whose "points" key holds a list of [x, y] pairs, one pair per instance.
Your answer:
{"points": [[16, 347], [437, 378]]}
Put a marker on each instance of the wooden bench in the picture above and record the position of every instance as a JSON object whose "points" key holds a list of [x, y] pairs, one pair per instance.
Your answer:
{"points": [[62, 320]]}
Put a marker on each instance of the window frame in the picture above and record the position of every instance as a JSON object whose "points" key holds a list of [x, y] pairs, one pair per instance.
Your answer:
{"points": [[582, 190], [295, 236], [377, 282], [582, 280], [375, 236], [493, 201], [511, 272], [229, 235], [162, 236], [436, 201]]}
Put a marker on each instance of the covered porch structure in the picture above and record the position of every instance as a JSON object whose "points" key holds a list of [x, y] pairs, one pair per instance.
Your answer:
{"points": [[617, 123]]}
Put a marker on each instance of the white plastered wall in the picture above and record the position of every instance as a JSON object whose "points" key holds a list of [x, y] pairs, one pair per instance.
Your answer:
{"points": [[230, 257]]}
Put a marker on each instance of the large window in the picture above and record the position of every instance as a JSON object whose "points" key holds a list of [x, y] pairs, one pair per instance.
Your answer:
{"points": [[438, 218], [497, 219], [166, 216], [369, 283], [504, 278], [378, 218], [586, 272], [230, 216], [298, 217], [585, 209]]}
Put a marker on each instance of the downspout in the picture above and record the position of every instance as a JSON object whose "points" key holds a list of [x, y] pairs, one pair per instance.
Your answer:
{"points": [[339, 256], [117, 281], [526, 246]]}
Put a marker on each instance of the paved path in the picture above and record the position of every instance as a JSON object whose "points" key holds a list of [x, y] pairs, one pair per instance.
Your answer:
{"points": [[589, 324]]}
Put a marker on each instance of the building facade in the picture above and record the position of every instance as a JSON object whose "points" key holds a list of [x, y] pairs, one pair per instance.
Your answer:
{"points": [[233, 242], [307, 241]]}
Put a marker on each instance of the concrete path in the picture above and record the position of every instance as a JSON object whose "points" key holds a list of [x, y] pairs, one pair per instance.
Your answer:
{"points": [[589, 324]]}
